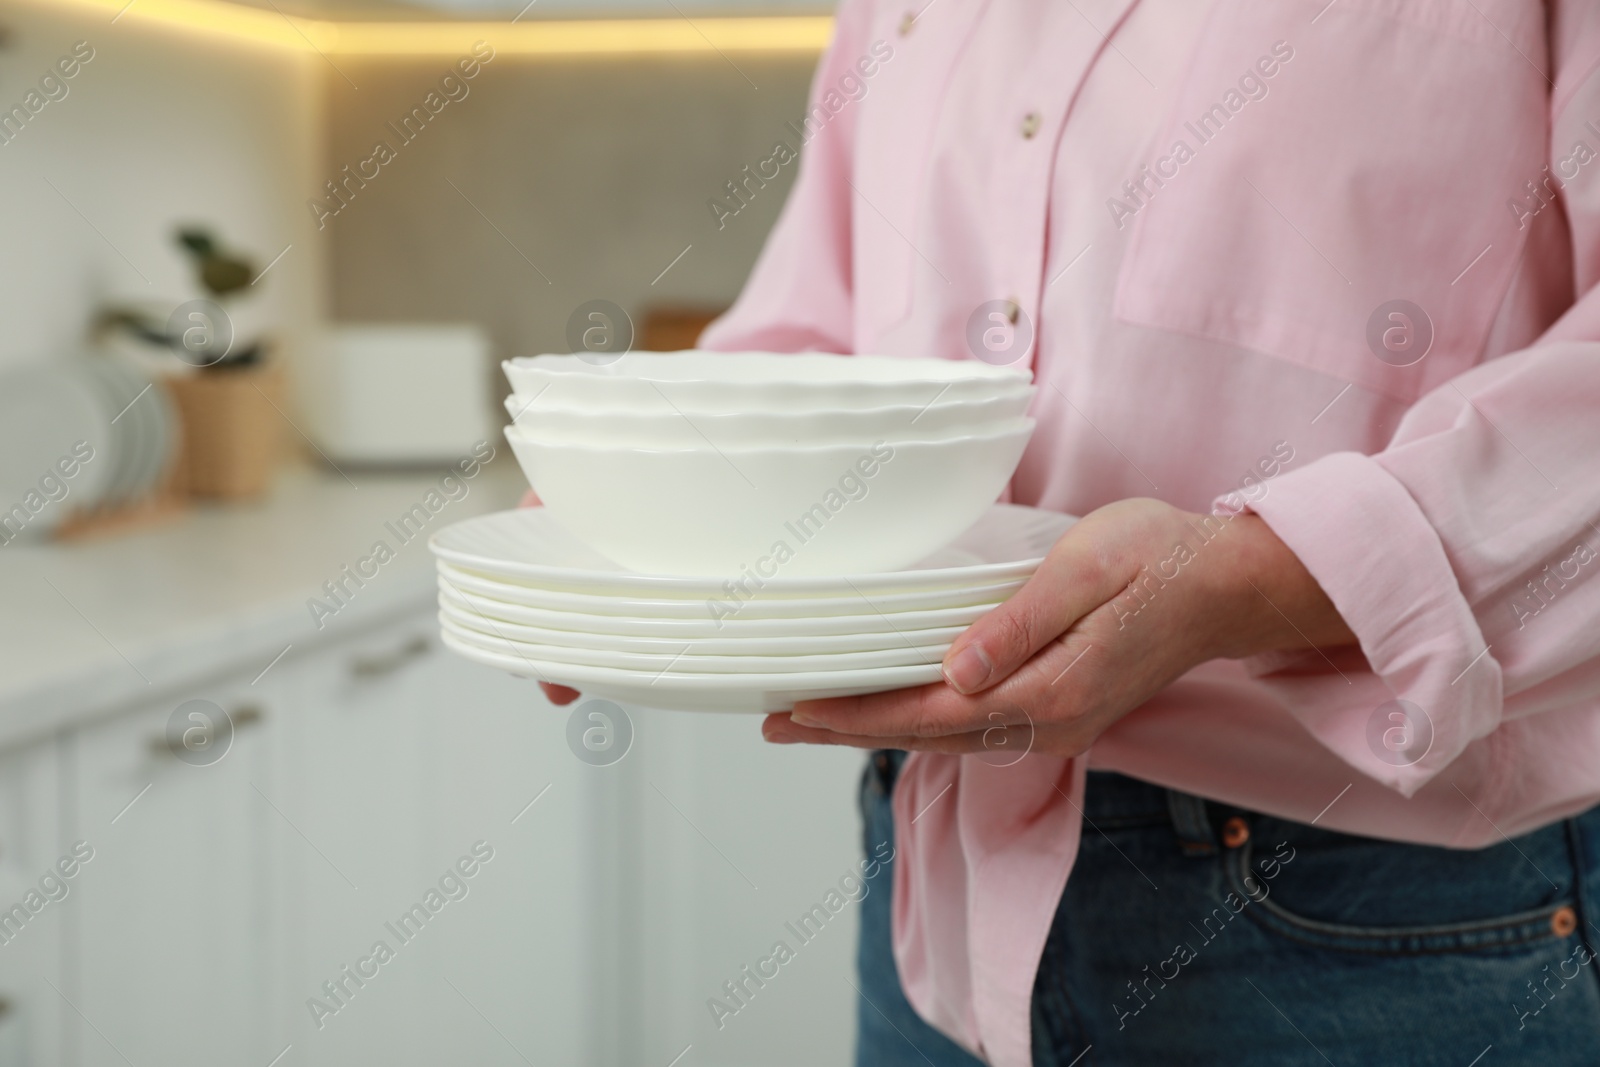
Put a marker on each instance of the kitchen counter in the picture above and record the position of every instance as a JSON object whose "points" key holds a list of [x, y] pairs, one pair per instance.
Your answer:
{"points": [[90, 627]]}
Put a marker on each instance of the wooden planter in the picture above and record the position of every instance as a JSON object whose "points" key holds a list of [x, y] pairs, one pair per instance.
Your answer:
{"points": [[232, 431]]}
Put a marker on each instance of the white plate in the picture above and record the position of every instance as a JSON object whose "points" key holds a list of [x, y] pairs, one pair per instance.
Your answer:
{"points": [[117, 443], [685, 659], [781, 645], [727, 610], [45, 409], [737, 693], [161, 424], [529, 547], [691, 629], [143, 425]]}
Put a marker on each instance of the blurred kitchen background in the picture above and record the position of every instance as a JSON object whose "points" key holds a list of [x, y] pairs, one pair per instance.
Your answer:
{"points": [[314, 377]]}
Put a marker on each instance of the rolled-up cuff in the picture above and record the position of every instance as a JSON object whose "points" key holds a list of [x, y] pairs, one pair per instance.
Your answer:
{"points": [[1372, 550]]}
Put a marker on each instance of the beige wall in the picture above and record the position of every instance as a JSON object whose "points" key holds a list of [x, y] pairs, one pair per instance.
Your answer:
{"points": [[597, 170], [161, 126]]}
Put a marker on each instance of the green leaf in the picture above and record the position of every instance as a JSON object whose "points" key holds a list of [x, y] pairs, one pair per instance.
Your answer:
{"points": [[197, 240], [223, 275]]}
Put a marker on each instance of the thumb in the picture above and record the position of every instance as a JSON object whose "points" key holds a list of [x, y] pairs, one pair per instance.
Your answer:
{"points": [[1071, 582]]}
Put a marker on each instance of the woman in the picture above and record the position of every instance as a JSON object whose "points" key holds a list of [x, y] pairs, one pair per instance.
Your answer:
{"points": [[1310, 698]]}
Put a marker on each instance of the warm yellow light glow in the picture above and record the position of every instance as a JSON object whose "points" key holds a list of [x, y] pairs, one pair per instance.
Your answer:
{"points": [[587, 36], [804, 34]]}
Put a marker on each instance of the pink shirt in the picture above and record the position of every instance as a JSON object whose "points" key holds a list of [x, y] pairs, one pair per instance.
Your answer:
{"points": [[1202, 211]]}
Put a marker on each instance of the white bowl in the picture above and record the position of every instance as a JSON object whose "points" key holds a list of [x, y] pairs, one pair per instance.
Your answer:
{"points": [[740, 429], [808, 510], [667, 382]]}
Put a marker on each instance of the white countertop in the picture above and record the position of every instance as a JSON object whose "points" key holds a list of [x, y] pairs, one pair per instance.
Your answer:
{"points": [[89, 628]]}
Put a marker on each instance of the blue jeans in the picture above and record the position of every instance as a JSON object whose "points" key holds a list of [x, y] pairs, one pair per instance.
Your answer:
{"points": [[1194, 933]]}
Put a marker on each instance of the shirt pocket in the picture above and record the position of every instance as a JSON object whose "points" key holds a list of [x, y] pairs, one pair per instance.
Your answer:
{"points": [[1336, 190]]}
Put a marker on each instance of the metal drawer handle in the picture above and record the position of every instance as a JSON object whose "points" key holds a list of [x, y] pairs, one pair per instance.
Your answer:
{"points": [[379, 666], [242, 716]]}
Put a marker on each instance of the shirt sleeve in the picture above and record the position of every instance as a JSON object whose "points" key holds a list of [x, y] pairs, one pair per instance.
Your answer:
{"points": [[799, 297], [1465, 556]]}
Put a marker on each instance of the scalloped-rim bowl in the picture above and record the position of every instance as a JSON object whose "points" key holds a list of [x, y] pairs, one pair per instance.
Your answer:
{"points": [[733, 429], [694, 381], [816, 509]]}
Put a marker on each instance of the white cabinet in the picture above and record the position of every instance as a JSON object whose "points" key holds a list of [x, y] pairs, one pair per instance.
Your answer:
{"points": [[378, 789], [222, 894], [231, 897], [399, 761], [34, 1019], [725, 840], [175, 913]]}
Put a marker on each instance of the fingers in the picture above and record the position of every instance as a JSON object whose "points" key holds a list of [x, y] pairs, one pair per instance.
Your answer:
{"points": [[530, 499], [928, 711], [559, 695], [780, 729], [1072, 581], [998, 746]]}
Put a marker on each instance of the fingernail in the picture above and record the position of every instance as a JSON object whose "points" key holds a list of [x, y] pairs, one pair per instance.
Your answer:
{"points": [[800, 718], [775, 737], [969, 670]]}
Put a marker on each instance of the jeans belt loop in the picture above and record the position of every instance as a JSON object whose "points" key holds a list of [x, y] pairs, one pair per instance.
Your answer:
{"points": [[1192, 824]]}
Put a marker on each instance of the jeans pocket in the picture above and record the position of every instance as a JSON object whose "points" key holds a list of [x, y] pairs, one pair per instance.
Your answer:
{"points": [[1367, 896]]}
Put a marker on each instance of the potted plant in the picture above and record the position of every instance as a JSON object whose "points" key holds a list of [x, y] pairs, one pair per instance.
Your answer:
{"points": [[226, 389]]}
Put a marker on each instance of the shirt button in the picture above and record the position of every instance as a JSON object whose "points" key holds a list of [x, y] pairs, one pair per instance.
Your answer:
{"points": [[1013, 310], [1563, 922], [907, 21], [1030, 124], [1235, 832]]}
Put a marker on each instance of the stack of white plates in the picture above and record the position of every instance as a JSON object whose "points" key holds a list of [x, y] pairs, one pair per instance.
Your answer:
{"points": [[140, 426], [739, 531], [519, 592], [95, 416]]}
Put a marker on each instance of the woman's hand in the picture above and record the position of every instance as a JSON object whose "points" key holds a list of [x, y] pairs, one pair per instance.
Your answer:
{"points": [[558, 695], [1132, 597]]}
